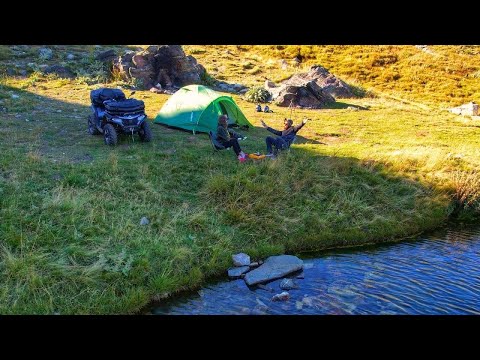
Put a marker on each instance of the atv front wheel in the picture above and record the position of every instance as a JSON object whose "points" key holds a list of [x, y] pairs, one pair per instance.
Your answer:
{"points": [[92, 128], [110, 135], [145, 132]]}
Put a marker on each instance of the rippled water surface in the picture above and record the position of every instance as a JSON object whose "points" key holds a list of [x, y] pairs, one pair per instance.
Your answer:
{"points": [[435, 274]]}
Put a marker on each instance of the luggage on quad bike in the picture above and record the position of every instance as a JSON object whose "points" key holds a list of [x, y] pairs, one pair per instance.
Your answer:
{"points": [[128, 106], [100, 95]]}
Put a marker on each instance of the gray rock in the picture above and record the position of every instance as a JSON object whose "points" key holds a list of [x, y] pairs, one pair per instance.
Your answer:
{"points": [[144, 221], [241, 259], [254, 264], [61, 71], [70, 57], [23, 72], [301, 275], [471, 109], [265, 287], [288, 284], [236, 272], [283, 296], [15, 96], [164, 64], [45, 53], [275, 267], [59, 111], [106, 56]]}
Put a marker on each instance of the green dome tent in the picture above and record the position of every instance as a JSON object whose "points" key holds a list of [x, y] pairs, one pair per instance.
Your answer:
{"points": [[197, 108]]}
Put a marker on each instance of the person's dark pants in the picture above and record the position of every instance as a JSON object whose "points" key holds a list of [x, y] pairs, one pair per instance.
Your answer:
{"points": [[232, 143], [279, 144]]}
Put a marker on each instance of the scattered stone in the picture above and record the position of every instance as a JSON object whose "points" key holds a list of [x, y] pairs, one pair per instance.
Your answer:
{"points": [[283, 296], [59, 111], [298, 305], [106, 56], [265, 287], [144, 221], [75, 110], [156, 90], [23, 72], [42, 67], [288, 284], [60, 71], [301, 275], [241, 259], [275, 267], [260, 262], [27, 120], [236, 272], [353, 108], [15, 96], [70, 57], [45, 53], [11, 72], [254, 264]]}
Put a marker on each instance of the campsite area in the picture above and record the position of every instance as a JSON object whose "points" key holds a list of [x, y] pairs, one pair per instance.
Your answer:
{"points": [[377, 168]]}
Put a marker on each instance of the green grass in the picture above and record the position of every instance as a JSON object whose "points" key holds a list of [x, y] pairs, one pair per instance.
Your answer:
{"points": [[70, 206]]}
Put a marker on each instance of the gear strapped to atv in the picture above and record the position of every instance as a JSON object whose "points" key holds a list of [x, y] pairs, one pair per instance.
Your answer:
{"points": [[113, 113]]}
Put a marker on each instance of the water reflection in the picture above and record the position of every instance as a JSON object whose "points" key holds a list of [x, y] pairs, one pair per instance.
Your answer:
{"points": [[436, 274]]}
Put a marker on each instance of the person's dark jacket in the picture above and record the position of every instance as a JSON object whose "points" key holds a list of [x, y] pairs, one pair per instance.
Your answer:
{"points": [[225, 134], [287, 135]]}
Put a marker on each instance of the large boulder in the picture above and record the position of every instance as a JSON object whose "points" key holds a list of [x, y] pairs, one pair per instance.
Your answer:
{"points": [[166, 65], [314, 89], [326, 81]]}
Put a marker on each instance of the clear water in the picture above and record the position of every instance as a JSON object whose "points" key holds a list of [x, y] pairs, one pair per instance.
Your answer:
{"points": [[435, 274]]}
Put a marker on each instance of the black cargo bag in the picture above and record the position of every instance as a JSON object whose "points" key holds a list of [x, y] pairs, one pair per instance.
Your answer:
{"points": [[100, 95], [128, 106]]}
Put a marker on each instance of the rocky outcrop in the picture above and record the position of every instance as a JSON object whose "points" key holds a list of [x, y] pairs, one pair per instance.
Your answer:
{"points": [[166, 65], [470, 109], [313, 89], [273, 268]]}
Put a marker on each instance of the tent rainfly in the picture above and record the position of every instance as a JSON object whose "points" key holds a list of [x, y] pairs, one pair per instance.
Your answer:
{"points": [[196, 108]]}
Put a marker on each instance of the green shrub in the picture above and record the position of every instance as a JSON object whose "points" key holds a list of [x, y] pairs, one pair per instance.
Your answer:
{"points": [[257, 94]]}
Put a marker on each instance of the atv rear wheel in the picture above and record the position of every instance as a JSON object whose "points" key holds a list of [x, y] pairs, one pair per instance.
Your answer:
{"points": [[92, 128], [145, 132], [110, 135]]}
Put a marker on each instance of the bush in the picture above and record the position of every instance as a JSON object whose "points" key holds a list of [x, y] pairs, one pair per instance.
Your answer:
{"points": [[257, 94]]}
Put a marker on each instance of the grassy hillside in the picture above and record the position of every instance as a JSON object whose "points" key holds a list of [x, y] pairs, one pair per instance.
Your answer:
{"points": [[70, 206], [440, 76]]}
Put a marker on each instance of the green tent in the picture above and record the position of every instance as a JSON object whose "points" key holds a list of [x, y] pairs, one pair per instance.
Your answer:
{"points": [[197, 108]]}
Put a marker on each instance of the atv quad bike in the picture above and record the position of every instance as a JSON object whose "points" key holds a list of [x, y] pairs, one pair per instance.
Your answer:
{"points": [[114, 114]]}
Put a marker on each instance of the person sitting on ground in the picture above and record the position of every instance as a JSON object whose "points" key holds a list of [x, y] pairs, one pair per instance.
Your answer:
{"points": [[285, 137], [267, 109], [259, 108], [229, 138]]}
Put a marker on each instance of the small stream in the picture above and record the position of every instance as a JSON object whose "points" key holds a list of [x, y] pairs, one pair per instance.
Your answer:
{"points": [[438, 273]]}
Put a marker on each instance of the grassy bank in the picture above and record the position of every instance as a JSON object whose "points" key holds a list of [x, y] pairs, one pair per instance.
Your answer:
{"points": [[70, 207]]}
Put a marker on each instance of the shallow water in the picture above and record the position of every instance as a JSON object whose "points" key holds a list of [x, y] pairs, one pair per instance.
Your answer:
{"points": [[434, 274]]}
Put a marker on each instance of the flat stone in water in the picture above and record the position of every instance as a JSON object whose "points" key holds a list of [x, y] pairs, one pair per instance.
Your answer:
{"points": [[237, 271], [273, 268], [288, 284]]}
